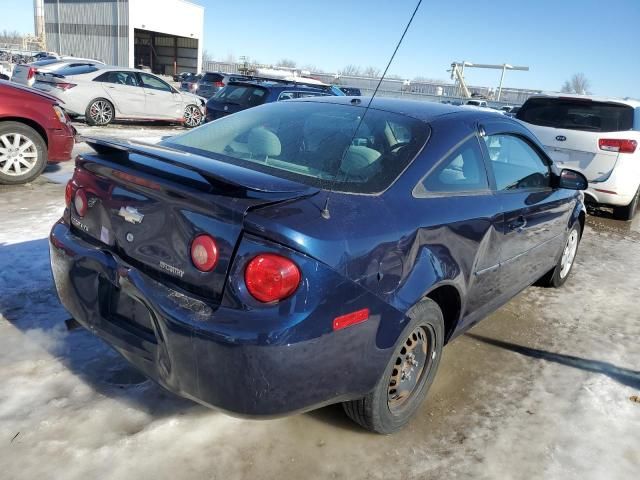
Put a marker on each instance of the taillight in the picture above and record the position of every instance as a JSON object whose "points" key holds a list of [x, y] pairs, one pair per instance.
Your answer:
{"points": [[617, 145], [218, 84], [204, 253], [31, 73], [64, 86], [68, 193], [80, 202], [270, 277]]}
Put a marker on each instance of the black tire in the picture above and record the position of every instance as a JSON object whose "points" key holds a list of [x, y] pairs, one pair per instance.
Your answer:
{"points": [[99, 112], [628, 212], [19, 158], [193, 116], [557, 277], [379, 411]]}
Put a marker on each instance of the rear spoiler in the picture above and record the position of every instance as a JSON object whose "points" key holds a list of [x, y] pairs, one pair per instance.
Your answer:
{"points": [[216, 172]]}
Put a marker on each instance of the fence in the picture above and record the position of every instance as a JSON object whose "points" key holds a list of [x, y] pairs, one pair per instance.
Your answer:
{"points": [[429, 91]]}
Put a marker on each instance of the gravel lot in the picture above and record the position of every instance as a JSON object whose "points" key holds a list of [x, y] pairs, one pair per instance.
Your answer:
{"points": [[540, 390]]}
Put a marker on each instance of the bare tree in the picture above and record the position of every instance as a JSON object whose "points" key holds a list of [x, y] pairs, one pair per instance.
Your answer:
{"points": [[11, 37], [578, 83], [371, 71], [421, 79], [286, 62], [207, 56], [351, 70]]}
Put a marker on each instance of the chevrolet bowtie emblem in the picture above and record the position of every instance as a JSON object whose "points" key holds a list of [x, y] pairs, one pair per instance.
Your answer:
{"points": [[131, 215]]}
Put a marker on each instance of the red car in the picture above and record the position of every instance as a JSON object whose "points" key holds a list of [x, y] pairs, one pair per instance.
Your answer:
{"points": [[34, 131]]}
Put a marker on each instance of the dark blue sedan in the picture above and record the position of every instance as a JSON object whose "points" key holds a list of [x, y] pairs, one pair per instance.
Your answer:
{"points": [[309, 252]]}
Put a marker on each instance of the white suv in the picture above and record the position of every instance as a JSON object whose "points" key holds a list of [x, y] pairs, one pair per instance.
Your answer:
{"points": [[597, 136]]}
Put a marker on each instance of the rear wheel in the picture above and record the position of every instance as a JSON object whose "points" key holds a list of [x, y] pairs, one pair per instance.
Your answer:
{"points": [[192, 116], [628, 212], [100, 112], [23, 153], [408, 376]]}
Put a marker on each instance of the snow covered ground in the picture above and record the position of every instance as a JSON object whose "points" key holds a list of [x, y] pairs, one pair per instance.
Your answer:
{"points": [[540, 390]]}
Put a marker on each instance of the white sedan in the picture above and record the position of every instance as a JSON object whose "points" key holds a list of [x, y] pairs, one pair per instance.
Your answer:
{"points": [[104, 93]]}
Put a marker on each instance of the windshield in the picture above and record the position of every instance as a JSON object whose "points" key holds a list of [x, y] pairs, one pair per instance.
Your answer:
{"points": [[312, 142], [577, 114], [244, 95]]}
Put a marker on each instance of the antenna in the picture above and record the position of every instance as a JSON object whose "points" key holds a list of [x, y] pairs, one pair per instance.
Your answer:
{"points": [[325, 211]]}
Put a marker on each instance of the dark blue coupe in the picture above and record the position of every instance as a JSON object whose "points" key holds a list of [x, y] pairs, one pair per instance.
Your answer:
{"points": [[314, 251]]}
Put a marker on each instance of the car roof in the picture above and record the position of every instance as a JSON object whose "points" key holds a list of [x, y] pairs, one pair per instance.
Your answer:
{"points": [[284, 85], [595, 98], [419, 109]]}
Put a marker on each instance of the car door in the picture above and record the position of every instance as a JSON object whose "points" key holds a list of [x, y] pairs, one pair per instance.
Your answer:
{"points": [[535, 214], [124, 90], [162, 101], [458, 188]]}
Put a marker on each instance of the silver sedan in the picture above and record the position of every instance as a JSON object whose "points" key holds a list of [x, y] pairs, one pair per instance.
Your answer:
{"points": [[104, 93]]}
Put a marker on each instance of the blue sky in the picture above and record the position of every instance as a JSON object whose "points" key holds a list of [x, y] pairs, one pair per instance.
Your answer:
{"points": [[555, 38]]}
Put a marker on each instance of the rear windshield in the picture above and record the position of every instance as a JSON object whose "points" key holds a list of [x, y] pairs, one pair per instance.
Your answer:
{"points": [[212, 77], [313, 143], [577, 114], [244, 95], [77, 70]]}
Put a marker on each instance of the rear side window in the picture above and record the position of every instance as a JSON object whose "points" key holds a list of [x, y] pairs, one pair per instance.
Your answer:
{"points": [[244, 95], [462, 171], [77, 70], [212, 77], [577, 114], [313, 143], [516, 165]]}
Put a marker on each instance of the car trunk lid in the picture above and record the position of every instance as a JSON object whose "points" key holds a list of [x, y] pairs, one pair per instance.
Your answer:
{"points": [[147, 204]]}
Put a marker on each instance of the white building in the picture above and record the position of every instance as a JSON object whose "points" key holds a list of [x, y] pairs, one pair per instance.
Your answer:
{"points": [[165, 35]]}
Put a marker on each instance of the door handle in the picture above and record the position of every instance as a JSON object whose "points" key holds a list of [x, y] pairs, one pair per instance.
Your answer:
{"points": [[112, 88], [518, 224]]}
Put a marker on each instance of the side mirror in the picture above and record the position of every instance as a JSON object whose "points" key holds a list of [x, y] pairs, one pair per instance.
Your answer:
{"points": [[572, 180]]}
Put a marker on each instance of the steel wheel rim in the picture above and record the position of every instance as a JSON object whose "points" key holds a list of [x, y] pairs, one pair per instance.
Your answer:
{"points": [[411, 365], [192, 116], [569, 254], [18, 154], [101, 112]]}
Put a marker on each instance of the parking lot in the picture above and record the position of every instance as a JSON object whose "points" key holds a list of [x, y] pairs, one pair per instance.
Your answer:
{"points": [[544, 388]]}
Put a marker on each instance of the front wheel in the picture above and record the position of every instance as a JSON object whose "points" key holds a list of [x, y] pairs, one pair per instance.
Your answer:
{"points": [[408, 376], [192, 116], [560, 273], [23, 153]]}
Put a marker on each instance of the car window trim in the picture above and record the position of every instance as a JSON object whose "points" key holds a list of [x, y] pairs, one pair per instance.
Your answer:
{"points": [[541, 154], [419, 191], [157, 78]]}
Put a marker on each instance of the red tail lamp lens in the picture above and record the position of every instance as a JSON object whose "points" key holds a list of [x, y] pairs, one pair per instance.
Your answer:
{"points": [[80, 202], [270, 277], [617, 145], [68, 193], [204, 253]]}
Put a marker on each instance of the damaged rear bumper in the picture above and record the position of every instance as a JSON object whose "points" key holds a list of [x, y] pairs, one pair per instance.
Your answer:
{"points": [[203, 352]]}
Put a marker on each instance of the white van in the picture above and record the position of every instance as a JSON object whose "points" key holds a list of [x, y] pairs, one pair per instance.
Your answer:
{"points": [[597, 136]]}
